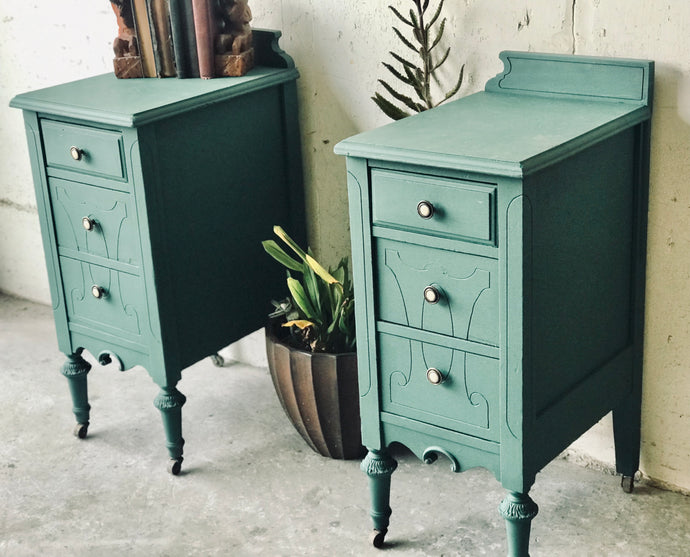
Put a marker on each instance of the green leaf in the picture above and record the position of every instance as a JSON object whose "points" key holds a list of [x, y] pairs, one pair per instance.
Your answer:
{"points": [[402, 98], [438, 64], [438, 35], [300, 297], [404, 40], [290, 242], [414, 20], [400, 16], [319, 270], [277, 253], [312, 289], [455, 89], [401, 60], [415, 82], [436, 14], [397, 74], [389, 109]]}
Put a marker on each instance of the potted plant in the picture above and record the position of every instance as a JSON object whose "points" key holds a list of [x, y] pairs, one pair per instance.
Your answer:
{"points": [[310, 345]]}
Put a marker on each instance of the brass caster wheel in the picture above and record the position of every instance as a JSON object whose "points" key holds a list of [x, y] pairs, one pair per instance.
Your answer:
{"points": [[80, 430], [628, 483], [377, 538], [174, 466], [217, 360]]}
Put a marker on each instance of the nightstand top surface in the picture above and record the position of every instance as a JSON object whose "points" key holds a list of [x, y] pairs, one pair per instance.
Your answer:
{"points": [[493, 129], [543, 108], [134, 102]]}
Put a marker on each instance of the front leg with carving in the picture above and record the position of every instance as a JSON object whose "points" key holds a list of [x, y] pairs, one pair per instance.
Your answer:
{"points": [[75, 370], [518, 510], [170, 401], [379, 466]]}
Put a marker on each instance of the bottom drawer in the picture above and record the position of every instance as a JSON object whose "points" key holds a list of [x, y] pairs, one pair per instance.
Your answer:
{"points": [[121, 306], [466, 399]]}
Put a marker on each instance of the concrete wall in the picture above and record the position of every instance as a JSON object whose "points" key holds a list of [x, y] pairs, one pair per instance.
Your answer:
{"points": [[338, 47]]}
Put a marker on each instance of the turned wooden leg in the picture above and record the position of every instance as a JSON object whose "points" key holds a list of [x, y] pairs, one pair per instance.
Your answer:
{"points": [[518, 510], [170, 401], [626, 434], [75, 370], [379, 466]]}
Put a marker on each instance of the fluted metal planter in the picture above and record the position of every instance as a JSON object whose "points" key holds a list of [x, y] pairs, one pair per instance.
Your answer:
{"points": [[319, 394]]}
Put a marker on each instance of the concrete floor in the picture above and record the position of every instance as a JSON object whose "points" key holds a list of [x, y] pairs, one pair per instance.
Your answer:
{"points": [[250, 485]]}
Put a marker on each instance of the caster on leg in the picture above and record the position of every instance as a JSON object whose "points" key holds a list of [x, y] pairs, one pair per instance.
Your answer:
{"points": [[628, 483], [175, 466], [217, 360], [378, 537], [80, 430]]}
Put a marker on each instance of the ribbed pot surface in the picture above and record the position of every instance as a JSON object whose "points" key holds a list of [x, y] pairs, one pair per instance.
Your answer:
{"points": [[319, 393]]}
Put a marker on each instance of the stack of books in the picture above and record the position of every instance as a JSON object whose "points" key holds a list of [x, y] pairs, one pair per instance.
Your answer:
{"points": [[182, 38]]}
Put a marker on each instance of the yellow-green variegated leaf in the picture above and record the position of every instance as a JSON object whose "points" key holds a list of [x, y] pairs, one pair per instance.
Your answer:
{"points": [[319, 270], [278, 230], [299, 323], [277, 253]]}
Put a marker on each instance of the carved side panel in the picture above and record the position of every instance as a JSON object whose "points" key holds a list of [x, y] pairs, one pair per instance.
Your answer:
{"points": [[468, 304]]}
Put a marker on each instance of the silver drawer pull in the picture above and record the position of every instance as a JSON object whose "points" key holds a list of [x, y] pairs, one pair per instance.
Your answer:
{"points": [[434, 376], [88, 223], [76, 153], [98, 291], [425, 209], [432, 295]]}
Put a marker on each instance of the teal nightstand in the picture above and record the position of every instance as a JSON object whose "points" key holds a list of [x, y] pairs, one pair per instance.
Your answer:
{"points": [[499, 263], [153, 197]]}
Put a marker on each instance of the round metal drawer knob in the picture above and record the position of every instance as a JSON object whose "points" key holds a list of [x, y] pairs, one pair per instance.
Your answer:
{"points": [[434, 376], [98, 291], [432, 295], [76, 153], [88, 223], [425, 209]]}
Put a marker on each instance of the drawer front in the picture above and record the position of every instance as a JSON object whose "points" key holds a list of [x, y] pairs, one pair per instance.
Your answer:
{"points": [[466, 287], [110, 229], [433, 205], [466, 400], [99, 152], [122, 306]]}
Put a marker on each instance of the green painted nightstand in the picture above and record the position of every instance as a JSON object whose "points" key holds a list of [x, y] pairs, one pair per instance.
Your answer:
{"points": [[153, 197], [499, 257]]}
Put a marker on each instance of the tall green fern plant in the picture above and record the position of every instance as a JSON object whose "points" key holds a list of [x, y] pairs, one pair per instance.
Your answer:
{"points": [[425, 38]]}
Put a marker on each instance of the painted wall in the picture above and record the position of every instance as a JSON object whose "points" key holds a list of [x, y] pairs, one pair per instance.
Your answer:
{"points": [[338, 47]]}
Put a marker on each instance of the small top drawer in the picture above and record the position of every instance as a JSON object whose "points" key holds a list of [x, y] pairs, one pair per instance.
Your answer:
{"points": [[439, 206], [83, 149]]}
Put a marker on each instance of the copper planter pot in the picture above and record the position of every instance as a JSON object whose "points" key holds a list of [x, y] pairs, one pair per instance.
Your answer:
{"points": [[319, 393]]}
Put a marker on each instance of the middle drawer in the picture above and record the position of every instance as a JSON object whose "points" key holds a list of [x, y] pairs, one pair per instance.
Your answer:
{"points": [[450, 293], [95, 221]]}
